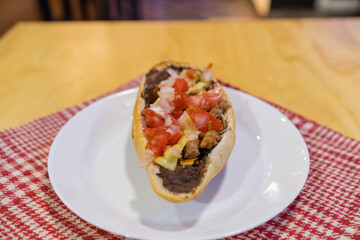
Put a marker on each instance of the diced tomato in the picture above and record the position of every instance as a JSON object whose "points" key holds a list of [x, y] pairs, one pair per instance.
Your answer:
{"points": [[215, 124], [199, 117], [180, 101], [206, 100], [174, 121], [175, 139], [203, 120], [190, 73], [160, 134], [191, 111], [198, 101], [180, 85], [148, 111], [176, 113], [152, 119], [159, 142], [149, 132], [214, 96]]}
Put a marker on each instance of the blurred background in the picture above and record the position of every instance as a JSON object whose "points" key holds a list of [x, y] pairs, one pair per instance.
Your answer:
{"points": [[12, 11]]}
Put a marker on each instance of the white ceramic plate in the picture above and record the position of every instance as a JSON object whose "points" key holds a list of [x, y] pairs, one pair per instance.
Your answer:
{"points": [[93, 169]]}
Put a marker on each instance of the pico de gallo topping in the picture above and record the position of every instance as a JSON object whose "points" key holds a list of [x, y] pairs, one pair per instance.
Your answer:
{"points": [[179, 115]]}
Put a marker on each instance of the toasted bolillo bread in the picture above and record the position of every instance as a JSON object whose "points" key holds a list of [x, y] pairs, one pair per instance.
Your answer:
{"points": [[183, 129]]}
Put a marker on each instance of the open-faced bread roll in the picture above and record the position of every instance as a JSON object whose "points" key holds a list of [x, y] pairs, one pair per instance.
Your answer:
{"points": [[183, 129]]}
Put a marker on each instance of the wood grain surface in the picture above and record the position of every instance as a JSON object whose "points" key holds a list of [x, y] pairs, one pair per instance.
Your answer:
{"points": [[309, 66]]}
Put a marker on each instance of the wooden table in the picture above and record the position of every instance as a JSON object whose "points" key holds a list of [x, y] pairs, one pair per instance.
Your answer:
{"points": [[309, 66]]}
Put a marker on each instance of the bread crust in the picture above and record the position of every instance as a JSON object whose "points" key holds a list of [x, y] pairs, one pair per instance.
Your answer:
{"points": [[216, 159]]}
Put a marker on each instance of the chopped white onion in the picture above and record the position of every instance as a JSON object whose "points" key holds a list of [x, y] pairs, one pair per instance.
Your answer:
{"points": [[158, 110], [168, 121], [169, 130], [166, 95], [173, 73], [167, 92], [164, 104], [167, 83], [182, 120], [207, 74]]}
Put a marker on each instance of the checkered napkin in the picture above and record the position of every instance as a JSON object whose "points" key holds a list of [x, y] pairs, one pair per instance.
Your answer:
{"points": [[328, 207]]}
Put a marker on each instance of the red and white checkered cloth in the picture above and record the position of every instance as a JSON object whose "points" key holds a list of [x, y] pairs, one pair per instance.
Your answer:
{"points": [[328, 207]]}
